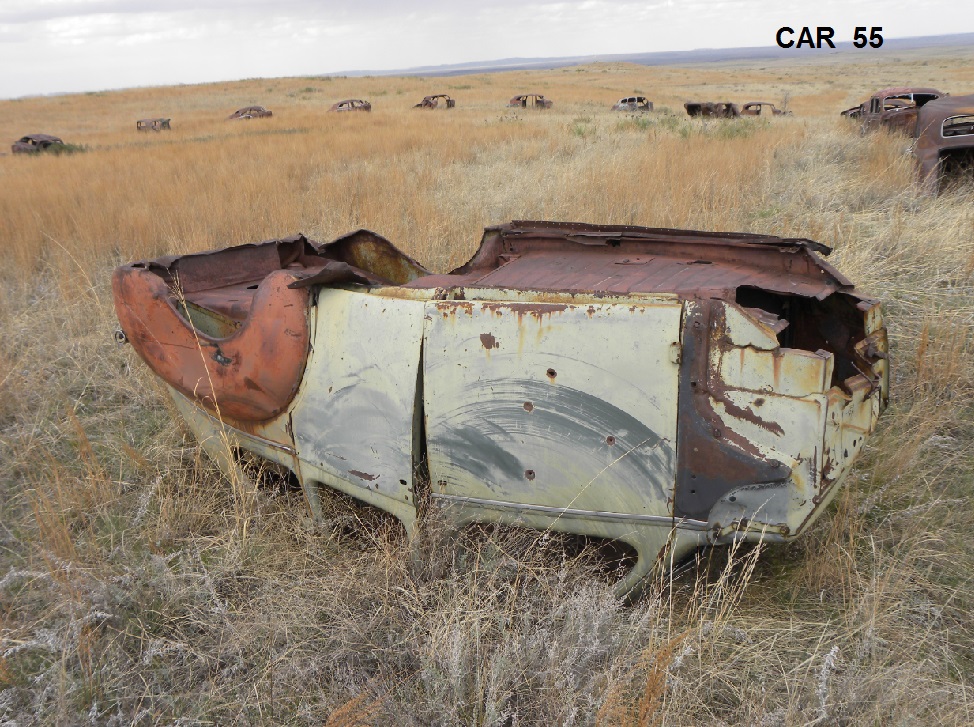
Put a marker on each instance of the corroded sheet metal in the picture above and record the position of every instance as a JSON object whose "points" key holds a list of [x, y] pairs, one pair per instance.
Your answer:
{"points": [[351, 104], [251, 112], [432, 102], [33, 143], [944, 145], [757, 108], [537, 403], [896, 108], [153, 124], [250, 374], [665, 388], [710, 109], [530, 101], [354, 420], [633, 103]]}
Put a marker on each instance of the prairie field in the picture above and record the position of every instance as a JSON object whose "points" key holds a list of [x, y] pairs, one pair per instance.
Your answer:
{"points": [[139, 587]]}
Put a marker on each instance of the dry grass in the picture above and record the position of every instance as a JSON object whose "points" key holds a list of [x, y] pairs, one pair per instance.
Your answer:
{"points": [[137, 586]]}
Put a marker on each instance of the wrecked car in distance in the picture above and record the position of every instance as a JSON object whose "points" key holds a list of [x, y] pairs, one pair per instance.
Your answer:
{"points": [[351, 104], [251, 112], [35, 144], [433, 102], [944, 144], [530, 101], [757, 108], [663, 390], [896, 108], [709, 109], [153, 124], [633, 103]]}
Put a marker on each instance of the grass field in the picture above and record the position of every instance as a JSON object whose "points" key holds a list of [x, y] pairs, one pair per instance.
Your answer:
{"points": [[138, 587]]}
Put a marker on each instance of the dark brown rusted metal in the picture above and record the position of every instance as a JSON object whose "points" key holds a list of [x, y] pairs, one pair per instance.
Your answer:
{"points": [[896, 108], [35, 143], [251, 112], [762, 108], [708, 386], [351, 104], [709, 109], [152, 124], [530, 101], [433, 102], [944, 145]]}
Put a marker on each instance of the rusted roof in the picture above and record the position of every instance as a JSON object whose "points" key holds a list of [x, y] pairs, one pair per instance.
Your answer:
{"points": [[931, 142], [41, 137], [903, 90], [576, 257]]}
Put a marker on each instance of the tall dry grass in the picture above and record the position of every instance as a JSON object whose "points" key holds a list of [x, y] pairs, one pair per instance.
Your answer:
{"points": [[130, 593]]}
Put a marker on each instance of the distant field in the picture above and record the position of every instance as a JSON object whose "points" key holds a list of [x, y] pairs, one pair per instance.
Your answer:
{"points": [[137, 587]]}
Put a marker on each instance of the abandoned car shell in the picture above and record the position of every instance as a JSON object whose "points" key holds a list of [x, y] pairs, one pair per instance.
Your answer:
{"points": [[530, 100], [896, 108], [667, 389], [944, 145], [757, 108], [251, 112], [432, 102], [351, 104], [35, 143], [633, 103], [721, 110], [152, 124]]}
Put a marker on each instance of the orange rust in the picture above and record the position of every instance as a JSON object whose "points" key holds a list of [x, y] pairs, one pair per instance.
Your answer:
{"points": [[251, 375]]}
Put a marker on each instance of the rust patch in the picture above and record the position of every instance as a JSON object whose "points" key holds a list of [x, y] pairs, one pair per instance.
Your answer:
{"points": [[363, 475], [488, 341]]}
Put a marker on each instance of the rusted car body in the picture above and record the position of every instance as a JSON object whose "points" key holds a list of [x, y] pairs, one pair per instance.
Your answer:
{"points": [[762, 108], [666, 389], [153, 124], [896, 108], [35, 143], [944, 145], [633, 103], [251, 112], [709, 109], [433, 102], [853, 113], [351, 104], [530, 101]]}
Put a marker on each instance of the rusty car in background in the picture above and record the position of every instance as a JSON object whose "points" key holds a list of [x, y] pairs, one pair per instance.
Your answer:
{"points": [[36, 143], [762, 108], [530, 101], [433, 102], [251, 112], [710, 109], [633, 103], [854, 112], [663, 389], [351, 104], [895, 108], [944, 143], [153, 125]]}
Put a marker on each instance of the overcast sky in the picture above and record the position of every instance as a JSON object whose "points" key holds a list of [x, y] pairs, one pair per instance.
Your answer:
{"points": [[50, 46]]}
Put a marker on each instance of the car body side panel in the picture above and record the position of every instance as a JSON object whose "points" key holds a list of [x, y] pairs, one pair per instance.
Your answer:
{"points": [[556, 405], [353, 418]]}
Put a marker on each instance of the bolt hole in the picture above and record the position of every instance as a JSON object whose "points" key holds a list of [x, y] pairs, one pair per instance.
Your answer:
{"points": [[610, 440], [529, 474], [402, 482], [528, 406], [551, 373]]}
